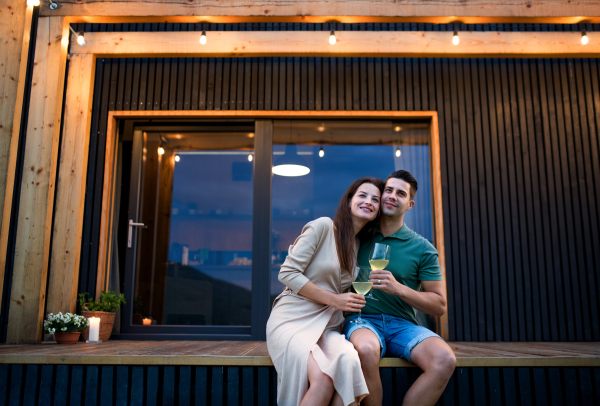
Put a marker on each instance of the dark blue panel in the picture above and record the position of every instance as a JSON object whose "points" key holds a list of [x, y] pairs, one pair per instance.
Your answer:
{"points": [[185, 381], [401, 384], [570, 375], [122, 389], [495, 387], [61, 386], [17, 372], [216, 390], [273, 386], [539, 386], [464, 391], [525, 386], [152, 386], [597, 384], [3, 386], [247, 386], [556, 397], [106, 392], [201, 392], [137, 386], [168, 386], [585, 385], [76, 385], [46, 384], [387, 383], [31, 384], [233, 386], [91, 385], [263, 386], [479, 386], [510, 386]]}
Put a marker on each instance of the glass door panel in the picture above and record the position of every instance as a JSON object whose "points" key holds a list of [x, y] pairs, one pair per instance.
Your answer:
{"points": [[192, 250]]}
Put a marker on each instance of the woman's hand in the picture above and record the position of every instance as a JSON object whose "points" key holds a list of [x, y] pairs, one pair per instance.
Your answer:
{"points": [[349, 302]]}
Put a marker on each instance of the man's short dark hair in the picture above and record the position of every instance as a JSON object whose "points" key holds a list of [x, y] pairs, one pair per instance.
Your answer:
{"points": [[408, 178]]}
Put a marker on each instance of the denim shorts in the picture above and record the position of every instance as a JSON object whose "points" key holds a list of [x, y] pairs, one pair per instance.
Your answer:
{"points": [[397, 336]]}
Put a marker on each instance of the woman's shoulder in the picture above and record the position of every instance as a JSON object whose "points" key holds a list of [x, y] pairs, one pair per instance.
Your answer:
{"points": [[321, 224]]}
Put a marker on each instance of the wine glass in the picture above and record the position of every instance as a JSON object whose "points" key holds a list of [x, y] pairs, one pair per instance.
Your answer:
{"points": [[363, 276], [379, 257], [362, 288]]}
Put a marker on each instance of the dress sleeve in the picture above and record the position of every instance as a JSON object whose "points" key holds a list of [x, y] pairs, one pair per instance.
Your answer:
{"points": [[299, 256]]}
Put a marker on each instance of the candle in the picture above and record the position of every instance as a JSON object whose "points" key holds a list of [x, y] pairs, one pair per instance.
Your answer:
{"points": [[94, 329], [147, 322]]}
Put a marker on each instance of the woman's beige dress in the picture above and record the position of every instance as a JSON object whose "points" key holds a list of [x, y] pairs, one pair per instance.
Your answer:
{"points": [[298, 326]]}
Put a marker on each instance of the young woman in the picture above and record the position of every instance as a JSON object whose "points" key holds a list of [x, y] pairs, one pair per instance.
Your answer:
{"points": [[314, 362]]}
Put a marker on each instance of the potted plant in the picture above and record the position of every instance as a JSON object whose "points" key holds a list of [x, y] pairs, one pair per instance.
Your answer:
{"points": [[104, 308], [66, 328]]}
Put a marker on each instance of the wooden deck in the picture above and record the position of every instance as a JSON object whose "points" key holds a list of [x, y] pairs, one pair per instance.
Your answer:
{"points": [[253, 353]]}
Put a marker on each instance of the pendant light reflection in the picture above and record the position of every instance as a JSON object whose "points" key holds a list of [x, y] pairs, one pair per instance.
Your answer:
{"points": [[398, 152], [321, 152], [332, 39], [455, 39], [290, 163], [250, 157], [203, 38], [584, 38], [177, 158]]}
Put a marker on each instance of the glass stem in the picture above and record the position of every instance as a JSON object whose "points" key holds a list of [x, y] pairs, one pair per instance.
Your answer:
{"points": [[359, 319]]}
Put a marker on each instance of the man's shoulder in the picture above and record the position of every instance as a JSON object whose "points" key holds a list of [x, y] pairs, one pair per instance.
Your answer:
{"points": [[423, 243]]}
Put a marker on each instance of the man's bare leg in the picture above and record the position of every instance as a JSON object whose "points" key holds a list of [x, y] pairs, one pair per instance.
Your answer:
{"points": [[367, 345], [437, 361], [320, 390]]}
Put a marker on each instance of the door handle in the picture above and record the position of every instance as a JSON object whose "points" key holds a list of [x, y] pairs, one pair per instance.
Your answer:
{"points": [[131, 225]]}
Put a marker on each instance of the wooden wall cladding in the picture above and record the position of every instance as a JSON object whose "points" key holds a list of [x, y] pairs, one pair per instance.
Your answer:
{"points": [[519, 143], [93, 385]]}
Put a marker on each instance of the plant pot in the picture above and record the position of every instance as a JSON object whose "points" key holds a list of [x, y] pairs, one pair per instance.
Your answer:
{"points": [[107, 319], [67, 338]]}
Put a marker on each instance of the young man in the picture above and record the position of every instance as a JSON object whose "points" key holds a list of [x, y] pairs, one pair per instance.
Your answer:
{"points": [[412, 280]]}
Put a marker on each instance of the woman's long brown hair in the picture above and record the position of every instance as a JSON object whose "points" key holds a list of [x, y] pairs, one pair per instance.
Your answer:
{"points": [[344, 226]]}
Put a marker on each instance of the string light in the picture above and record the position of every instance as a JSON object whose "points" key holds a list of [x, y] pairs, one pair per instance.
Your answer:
{"points": [[332, 39], [398, 153], [250, 157], [321, 152], [80, 38], [203, 38], [455, 39], [397, 128], [584, 38], [161, 151], [177, 158], [33, 3]]}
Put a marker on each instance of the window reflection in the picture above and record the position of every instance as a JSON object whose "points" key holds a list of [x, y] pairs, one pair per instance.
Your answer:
{"points": [[350, 150]]}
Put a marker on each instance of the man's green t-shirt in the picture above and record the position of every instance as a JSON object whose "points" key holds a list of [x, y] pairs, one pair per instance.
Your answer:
{"points": [[412, 259]]}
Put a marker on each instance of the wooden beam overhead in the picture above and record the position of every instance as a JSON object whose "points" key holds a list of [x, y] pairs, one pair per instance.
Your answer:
{"points": [[311, 11], [427, 44]]}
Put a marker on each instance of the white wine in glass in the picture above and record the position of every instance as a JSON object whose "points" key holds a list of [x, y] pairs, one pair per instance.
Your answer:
{"points": [[362, 288], [379, 264], [379, 257]]}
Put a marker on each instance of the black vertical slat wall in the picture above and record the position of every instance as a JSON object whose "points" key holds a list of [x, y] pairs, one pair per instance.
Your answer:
{"points": [[99, 385], [520, 161]]}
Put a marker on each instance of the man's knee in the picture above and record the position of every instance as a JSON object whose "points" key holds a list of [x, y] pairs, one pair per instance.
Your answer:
{"points": [[445, 363]]}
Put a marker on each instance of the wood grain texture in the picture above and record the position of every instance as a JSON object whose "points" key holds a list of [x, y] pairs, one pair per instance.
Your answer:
{"points": [[70, 190], [15, 28], [254, 353], [415, 44], [37, 184], [443, 11]]}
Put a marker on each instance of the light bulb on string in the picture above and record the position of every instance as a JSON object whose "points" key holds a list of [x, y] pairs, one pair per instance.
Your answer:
{"points": [[80, 39], [177, 158], [33, 3], [332, 39], [203, 38], [455, 39], [584, 38], [161, 151], [250, 157], [321, 152], [398, 153]]}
